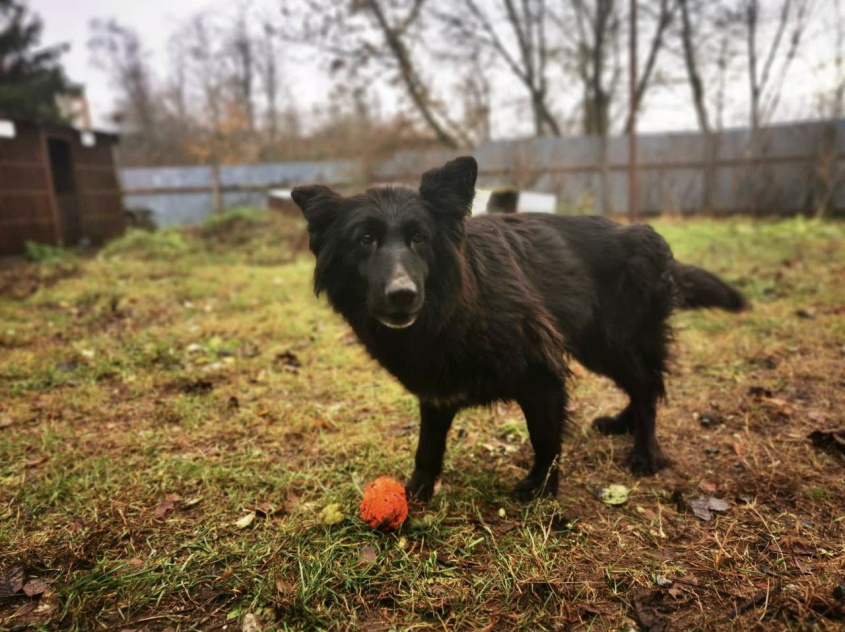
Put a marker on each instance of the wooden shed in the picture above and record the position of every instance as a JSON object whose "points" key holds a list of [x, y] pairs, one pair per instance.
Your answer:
{"points": [[58, 185]]}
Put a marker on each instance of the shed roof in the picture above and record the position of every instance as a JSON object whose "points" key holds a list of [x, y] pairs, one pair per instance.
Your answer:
{"points": [[53, 127]]}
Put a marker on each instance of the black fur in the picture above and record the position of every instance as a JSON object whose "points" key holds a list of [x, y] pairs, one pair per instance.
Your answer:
{"points": [[502, 300]]}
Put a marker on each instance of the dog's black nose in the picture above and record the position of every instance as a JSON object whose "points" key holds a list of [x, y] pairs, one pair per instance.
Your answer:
{"points": [[401, 297]]}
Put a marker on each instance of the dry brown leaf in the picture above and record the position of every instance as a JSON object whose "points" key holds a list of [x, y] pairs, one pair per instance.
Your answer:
{"points": [[11, 581], [5, 422], [283, 587], [707, 486], [35, 587], [489, 627], [806, 568], [40, 460], [266, 509], [164, 508], [367, 555], [646, 513], [325, 424]]}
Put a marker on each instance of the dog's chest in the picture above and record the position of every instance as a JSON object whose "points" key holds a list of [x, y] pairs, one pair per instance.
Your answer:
{"points": [[448, 371]]}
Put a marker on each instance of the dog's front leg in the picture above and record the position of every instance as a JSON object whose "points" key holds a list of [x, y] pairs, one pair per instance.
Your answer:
{"points": [[434, 426], [543, 401]]}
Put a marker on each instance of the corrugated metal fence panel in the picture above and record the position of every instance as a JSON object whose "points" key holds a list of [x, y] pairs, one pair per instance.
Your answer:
{"points": [[170, 192], [779, 172]]}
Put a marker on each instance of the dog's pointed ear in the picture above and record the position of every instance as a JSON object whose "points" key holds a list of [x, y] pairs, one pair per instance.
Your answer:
{"points": [[320, 206], [451, 188], [314, 200]]}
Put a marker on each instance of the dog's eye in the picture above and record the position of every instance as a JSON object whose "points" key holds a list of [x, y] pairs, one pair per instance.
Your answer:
{"points": [[418, 238], [367, 239]]}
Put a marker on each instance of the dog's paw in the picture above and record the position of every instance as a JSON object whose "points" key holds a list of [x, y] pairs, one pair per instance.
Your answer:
{"points": [[532, 487], [612, 425], [642, 463], [421, 487]]}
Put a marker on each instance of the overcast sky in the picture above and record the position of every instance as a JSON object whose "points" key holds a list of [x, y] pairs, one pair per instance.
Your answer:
{"points": [[154, 20]]}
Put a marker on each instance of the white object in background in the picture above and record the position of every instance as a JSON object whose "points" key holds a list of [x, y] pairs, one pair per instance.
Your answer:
{"points": [[533, 202], [7, 129], [87, 139], [282, 194], [479, 204]]}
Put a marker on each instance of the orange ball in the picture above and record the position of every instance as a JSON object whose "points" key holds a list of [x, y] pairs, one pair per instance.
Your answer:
{"points": [[384, 505]]}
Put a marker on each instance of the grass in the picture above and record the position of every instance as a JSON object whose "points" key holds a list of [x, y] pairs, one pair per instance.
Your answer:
{"points": [[153, 397]]}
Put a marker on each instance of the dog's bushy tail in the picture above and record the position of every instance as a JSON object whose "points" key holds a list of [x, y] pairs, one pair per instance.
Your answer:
{"points": [[699, 288]]}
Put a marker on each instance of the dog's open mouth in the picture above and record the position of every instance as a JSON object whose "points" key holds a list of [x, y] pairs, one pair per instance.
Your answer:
{"points": [[399, 320]]}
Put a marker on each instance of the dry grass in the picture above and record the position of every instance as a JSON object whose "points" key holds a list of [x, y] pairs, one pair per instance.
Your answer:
{"points": [[154, 396]]}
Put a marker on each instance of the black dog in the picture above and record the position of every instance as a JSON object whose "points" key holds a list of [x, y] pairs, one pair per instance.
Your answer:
{"points": [[468, 311]]}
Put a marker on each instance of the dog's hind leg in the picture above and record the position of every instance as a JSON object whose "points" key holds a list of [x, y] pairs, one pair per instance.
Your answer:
{"points": [[645, 457], [428, 464], [543, 402], [621, 423]]}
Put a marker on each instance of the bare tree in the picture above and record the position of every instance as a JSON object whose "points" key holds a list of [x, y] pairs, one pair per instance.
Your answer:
{"points": [[662, 18], [117, 50], [363, 33], [241, 47], [268, 64], [516, 33], [768, 65], [592, 30], [689, 42]]}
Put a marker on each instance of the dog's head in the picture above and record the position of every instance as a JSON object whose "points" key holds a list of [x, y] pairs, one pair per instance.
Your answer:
{"points": [[382, 250]]}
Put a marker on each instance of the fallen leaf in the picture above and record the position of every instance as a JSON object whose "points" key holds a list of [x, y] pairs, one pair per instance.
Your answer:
{"points": [[11, 581], [613, 494], [806, 568], [40, 614], [5, 422], [40, 460], [247, 520], [292, 501], [164, 508], [704, 506], [737, 448], [266, 509], [663, 582], [646, 513], [367, 555], [34, 587], [250, 623], [675, 592], [647, 611], [707, 486], [780, 405], [325, 424], [490, 626], [283, 587], [332, 514]]}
